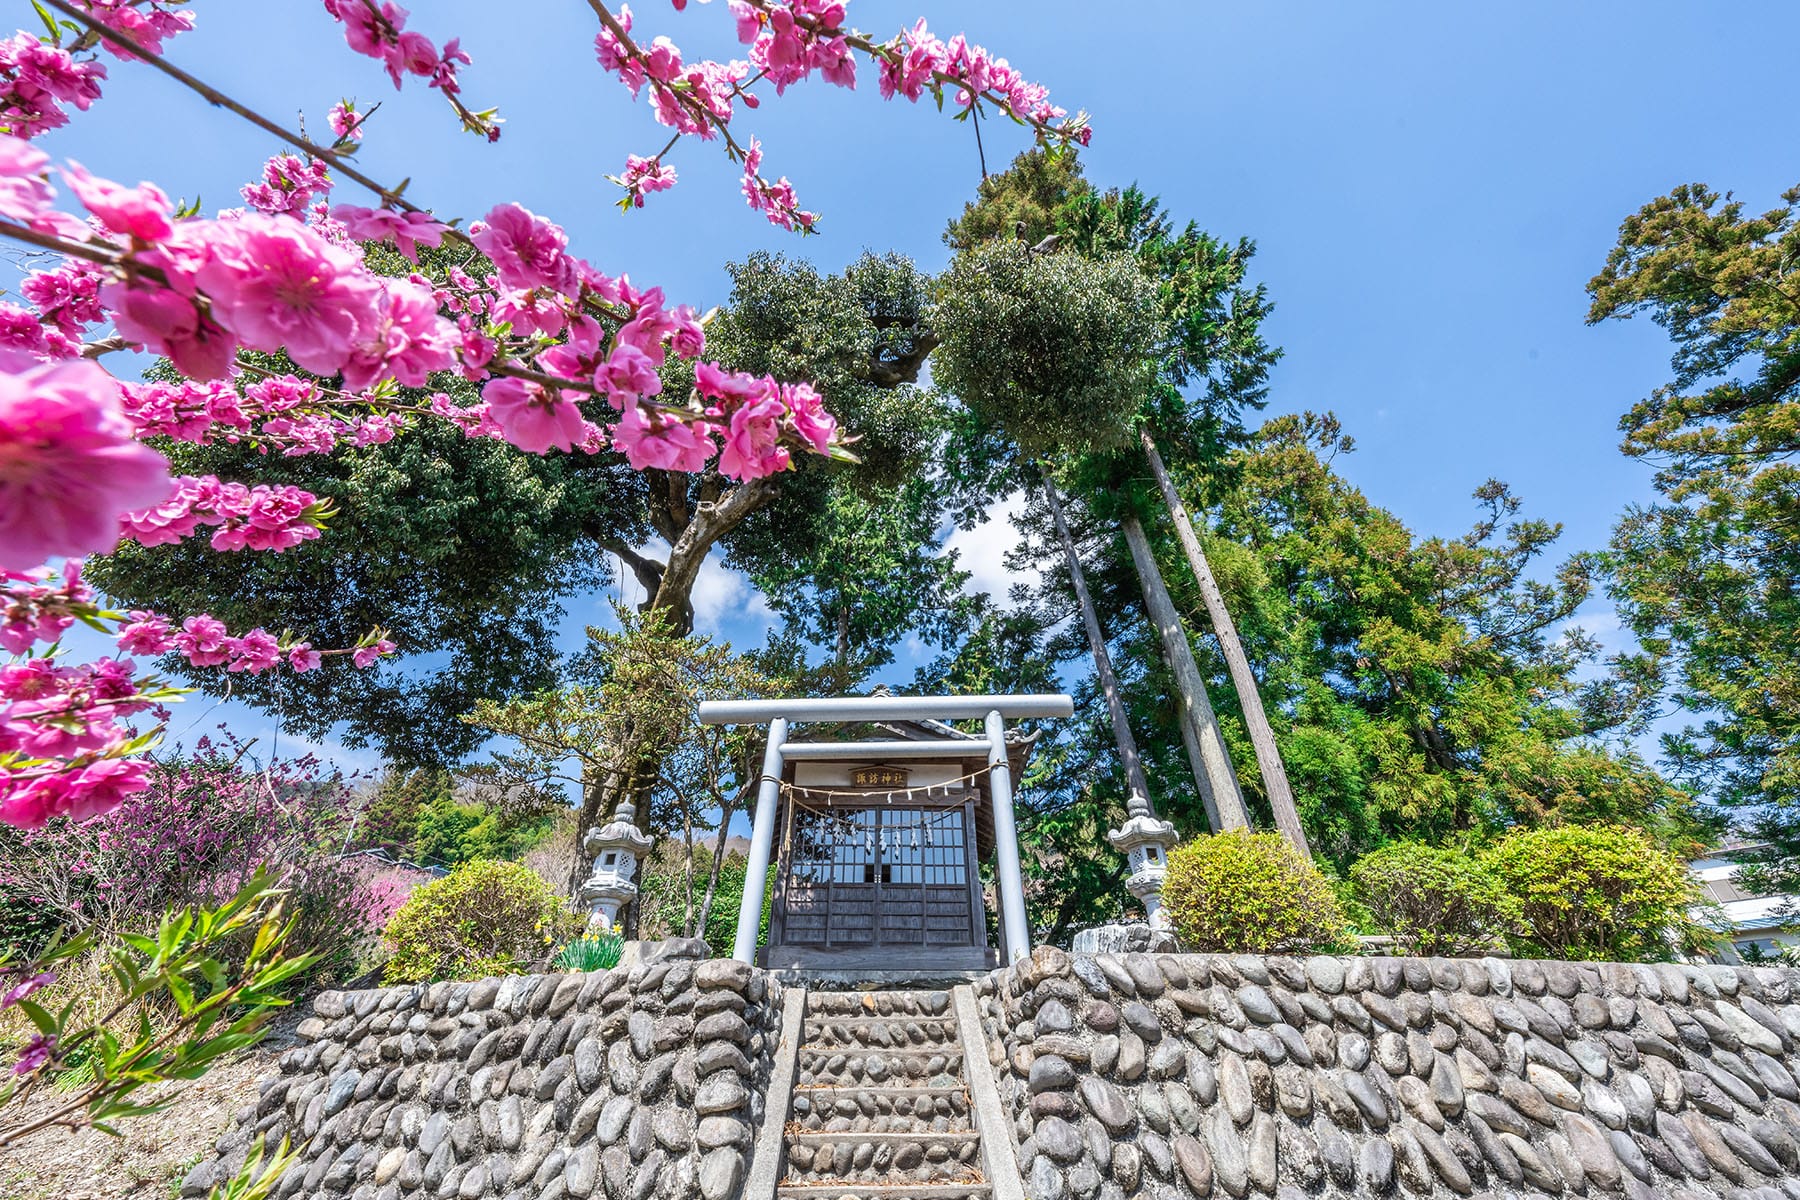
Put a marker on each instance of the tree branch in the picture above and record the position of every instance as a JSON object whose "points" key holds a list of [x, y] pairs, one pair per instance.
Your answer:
{"points": [[648, 571], [711, 522]]}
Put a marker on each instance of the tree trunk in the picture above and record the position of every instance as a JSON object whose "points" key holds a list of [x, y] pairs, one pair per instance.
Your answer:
{"points": [[595, 792], [687, 876], [1212, 773], [718, 861], [1256, 721], [1190, 743], [710, 521], [692, 531], [1137, 801]]}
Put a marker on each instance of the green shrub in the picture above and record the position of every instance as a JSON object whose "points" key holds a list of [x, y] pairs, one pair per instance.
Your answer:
{"points": [[1430, 900], [1596, 892], [1243, 892], [484, 918], [590, 952]]}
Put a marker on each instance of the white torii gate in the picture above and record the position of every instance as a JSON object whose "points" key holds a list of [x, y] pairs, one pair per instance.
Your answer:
{"points": [[778, 714]]}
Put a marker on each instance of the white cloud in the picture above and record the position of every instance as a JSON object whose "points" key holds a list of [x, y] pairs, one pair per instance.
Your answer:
{"points": [[721, 595], [981, 551]]}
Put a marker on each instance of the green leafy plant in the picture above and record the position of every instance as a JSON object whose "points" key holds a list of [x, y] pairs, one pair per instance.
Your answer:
{"points": [[258, 1178], [1594, 892], [590, 952], [1430, 900], [216, 1007], [484, 918], [1244, 892]]}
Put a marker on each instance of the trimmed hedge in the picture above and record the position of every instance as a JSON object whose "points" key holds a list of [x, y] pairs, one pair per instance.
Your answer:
{"points": [[484, 918], [1593, 892], [1430, 900], [1251, 893]]}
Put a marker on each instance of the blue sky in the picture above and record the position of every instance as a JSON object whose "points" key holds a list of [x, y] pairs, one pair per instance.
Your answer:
{"points": [[1429, 186]]}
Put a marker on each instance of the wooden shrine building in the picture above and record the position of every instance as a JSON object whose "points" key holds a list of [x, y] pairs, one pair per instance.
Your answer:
{"points": [[878, 844], [878, 860]]}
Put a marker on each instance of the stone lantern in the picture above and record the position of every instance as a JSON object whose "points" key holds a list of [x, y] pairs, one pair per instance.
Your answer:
{"points": [[612, 883], [1145, 840]]}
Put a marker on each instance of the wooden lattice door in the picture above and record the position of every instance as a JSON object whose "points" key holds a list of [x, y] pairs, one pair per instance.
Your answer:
{"points": [[880, 879]]}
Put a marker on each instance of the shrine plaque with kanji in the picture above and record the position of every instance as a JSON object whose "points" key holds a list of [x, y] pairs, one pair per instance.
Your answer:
{"points": [[871, 777]]}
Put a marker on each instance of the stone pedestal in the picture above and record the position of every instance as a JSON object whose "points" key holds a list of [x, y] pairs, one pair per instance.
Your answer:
{"points": [[1134, 938]]}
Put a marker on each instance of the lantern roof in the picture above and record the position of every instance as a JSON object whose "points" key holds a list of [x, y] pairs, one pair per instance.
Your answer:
{"points": [[620, 833]]}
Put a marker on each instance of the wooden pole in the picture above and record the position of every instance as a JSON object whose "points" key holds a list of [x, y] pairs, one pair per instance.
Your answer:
{"points": [[1256, 720], [1137, 800], [1212, 773]]}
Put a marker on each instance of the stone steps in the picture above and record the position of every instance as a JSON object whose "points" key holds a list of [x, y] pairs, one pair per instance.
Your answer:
{"points": [[830, 1065], [854, 1191], [828, 1089], [880, 1033], [878, 1004], [952, 1137], [880, 1108], [844, 1110], [910, 1163]]}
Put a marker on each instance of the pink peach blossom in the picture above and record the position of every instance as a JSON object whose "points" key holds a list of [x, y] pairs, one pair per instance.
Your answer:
{"points": [[806, 408], [255, 652], [532, 418], [203, 641], [140, 212], [41, 1046], [663, 443], [164, 321], [147, 633], [346, 123], [366, 656], [279, 286], [408, 343], [407, 230], [644, 176], [527, 250], [628, 372], [753, 442], [68, 463]]}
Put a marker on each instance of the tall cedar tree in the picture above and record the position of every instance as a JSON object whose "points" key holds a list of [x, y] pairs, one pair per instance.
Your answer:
{"points": [[1209, 364], [1708, 578]]}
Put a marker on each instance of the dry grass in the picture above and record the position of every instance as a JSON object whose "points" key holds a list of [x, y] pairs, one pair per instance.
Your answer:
{"points": [[151, 1154], [86, 982], [554, 857]]}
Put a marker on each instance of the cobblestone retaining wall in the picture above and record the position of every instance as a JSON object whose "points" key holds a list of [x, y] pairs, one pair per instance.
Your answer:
{"points": [[635, 1083], [1186, 1075]]}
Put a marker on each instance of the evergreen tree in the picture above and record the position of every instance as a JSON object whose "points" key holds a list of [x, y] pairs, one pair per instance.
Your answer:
{"points": [[1431, 688], [1707, 577]]}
